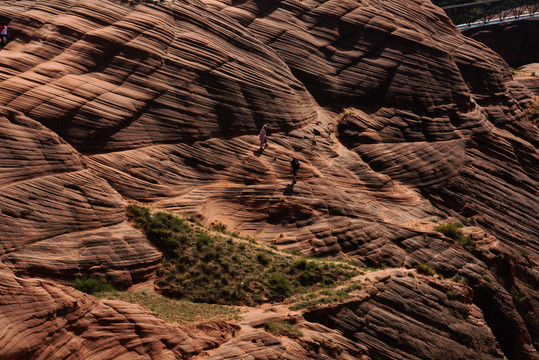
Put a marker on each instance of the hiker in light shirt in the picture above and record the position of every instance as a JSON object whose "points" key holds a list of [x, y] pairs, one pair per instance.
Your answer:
{"points": [[262, 137]]}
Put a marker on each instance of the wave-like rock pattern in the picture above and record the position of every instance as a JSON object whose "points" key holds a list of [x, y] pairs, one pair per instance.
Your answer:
{"points": [[155, 74], [433, 81], [161, 103], [409, 313], [41, 320], [58, 218]]}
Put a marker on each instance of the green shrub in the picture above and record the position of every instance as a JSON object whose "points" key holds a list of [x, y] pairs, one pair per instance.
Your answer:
{"points": [[300, 264], [92, 285], [467, 242], [208, 254], [263, 258], [251, 239], [487, 278], [308, 278], [519, 297], [140, 215], [454, 231], [451, 294], [279, 286], [219, 226], [164, 240], [451, 230], [282, 328], [425, 269], [460, 280], [164, 230], [203, 238]]}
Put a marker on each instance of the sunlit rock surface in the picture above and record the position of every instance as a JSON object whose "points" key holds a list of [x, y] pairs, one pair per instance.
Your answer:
{"points": [[396, 118], [41, 320]]}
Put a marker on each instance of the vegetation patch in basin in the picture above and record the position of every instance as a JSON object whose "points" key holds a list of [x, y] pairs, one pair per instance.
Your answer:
{"points": [[216, 268]]}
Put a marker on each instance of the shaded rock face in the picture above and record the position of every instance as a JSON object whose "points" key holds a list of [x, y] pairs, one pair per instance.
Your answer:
{"points": [[186, 74], [370, 54], [517, 43], [395, 117], [436, 103], [414, 318]]}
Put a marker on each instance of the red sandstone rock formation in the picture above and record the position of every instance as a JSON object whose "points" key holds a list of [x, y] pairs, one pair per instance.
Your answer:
{"points": [[395, 117], [516, 43], [42, 320], [60, 219]]}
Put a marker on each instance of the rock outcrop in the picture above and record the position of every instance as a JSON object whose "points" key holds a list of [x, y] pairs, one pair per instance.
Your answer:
{"points": [[396, 119], [434, 318], [42, 320], [58, 218], [516, 43]]}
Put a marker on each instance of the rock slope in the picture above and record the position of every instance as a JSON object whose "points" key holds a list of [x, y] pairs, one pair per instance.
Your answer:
{"points": [[396, 119], [41, 320], [517, 43]]}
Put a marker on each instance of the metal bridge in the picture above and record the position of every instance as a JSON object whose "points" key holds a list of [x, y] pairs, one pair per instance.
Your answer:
{"points": [[488, 12]]}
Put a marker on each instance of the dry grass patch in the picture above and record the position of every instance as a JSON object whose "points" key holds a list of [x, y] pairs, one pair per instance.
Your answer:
{"points": [[179, 311]]}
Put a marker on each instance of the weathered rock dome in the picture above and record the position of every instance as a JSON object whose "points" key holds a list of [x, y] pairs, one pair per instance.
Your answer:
{"points": [[395, 117]]}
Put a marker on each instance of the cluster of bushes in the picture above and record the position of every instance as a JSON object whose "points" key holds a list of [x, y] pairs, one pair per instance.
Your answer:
{"points": [[203, 267], [425, 269], [283, 328], [454, 231], [92, 285]]}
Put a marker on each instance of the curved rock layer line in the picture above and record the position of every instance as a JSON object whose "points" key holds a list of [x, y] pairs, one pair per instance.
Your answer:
{"points": [[396, 118], [41, 320], [156, 74]]}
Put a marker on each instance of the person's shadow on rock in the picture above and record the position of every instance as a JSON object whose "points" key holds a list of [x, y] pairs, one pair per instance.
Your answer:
{"points": [[258, 152], [289, 189]]}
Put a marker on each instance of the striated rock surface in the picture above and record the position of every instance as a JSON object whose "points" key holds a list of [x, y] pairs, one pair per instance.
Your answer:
{"points": [[58, 218], [396, 315], [41, 320], [424, 95], [435, 319], [517, 43], [394, 312], [396, 119], [161, 74]]}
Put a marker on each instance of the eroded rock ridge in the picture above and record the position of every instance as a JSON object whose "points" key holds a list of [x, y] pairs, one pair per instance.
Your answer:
{"points": [[396, 118]]}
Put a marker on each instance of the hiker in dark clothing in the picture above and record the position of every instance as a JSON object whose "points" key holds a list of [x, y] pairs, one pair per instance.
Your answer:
{"points": [[295, 166], [3, 35]]}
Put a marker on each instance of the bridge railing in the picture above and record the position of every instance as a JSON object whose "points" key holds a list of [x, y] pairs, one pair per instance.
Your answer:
{"points": [[487, 11]]}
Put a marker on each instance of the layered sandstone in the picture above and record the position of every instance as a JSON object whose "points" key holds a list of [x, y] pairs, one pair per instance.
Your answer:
{"points": [[396, 118], [58, 218], [41, 320], [516, 43]]}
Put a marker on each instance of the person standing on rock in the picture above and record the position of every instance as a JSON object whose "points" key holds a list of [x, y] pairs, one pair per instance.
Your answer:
{"points": [[3, 35], [295, 166], [262, 137]]}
